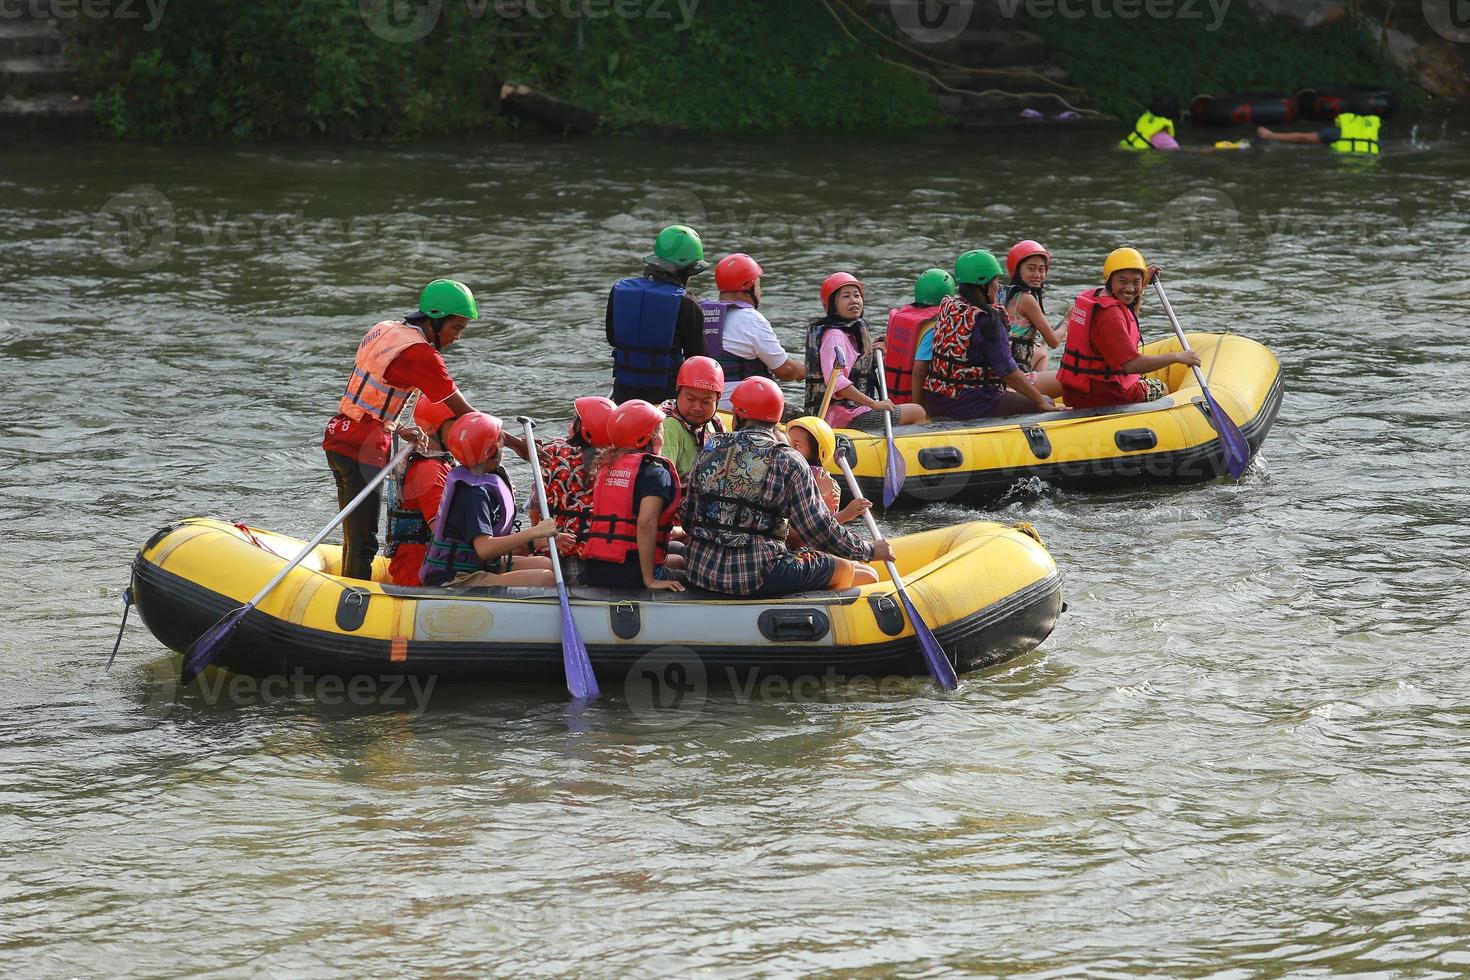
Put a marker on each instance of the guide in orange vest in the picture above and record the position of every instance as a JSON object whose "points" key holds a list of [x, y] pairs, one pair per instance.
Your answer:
{"points": [[394, 360]]}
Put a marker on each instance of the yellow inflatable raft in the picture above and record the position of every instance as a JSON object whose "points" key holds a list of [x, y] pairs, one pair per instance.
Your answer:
{"points": [[988, 591], [1169, 440]]}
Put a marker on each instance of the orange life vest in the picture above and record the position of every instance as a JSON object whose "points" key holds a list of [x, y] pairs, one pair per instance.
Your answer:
{"points": [[613, 534], [954, 331], [1081, 363], [368, 392], [905, 327]]}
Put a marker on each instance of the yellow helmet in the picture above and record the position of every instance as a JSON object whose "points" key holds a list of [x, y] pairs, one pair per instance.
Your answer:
{"points": [[1123, 258], [821, 434]]}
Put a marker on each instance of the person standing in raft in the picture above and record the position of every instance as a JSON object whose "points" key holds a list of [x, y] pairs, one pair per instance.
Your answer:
{"points": [[973, 365], [394, 360], [1154, 130], [1349, 133], [473, 542], [749, 490], [1103, 362], [855, 403], [634, 505], [691, 417], [908, 346], [653, 322], [737, 334], [418, 492], [570, 468], [1028, 263]]}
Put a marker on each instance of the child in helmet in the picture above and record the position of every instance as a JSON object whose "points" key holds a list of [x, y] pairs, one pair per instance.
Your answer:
{"points": [[473, 542], [908, 347], [855, 403], [570, 469], [634, 505], [817, 443], [418, 491], [1028, 263]]}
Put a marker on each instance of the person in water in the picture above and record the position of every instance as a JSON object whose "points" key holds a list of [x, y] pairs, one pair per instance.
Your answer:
{"points": [[973, 366], [908, 346], [737, 334], [749, 489], [1104, 363], [855, 401], [634, 505], [473, 541], [1154, 130], [1350, 132], [653, 321], [1028, 263]]}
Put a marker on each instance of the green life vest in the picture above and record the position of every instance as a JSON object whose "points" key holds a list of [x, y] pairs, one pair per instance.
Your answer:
{"points": [[1357, 134], [1147, 127]]}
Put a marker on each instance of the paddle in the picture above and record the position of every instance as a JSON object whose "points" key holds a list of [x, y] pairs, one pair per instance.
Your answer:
{"points": [[1232, 440], [896, 470], [838, 363], [581, 681], [202, 651], [939, 666]]}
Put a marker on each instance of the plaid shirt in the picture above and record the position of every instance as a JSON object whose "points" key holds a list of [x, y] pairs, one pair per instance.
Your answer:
{"points": [[790, 490]]}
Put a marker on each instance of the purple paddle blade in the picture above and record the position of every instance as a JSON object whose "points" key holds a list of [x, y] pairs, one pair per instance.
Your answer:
{"points": [[201, 652], [939, 666], [895, 473], [1237, 449], [581, 681]]}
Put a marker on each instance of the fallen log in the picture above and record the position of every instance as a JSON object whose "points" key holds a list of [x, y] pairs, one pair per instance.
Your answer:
{"points": [[557, 115]]}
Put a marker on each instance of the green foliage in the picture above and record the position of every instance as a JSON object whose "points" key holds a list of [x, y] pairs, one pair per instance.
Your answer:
{"points": [[253, 69], [1122, 63]]}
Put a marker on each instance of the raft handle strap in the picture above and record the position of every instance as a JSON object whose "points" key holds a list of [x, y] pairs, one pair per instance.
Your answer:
{"points": [[127, 601]]}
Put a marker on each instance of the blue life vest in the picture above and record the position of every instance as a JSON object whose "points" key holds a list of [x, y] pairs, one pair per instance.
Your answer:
{"points": [[645, 314], [736, 368], [447, 553]]}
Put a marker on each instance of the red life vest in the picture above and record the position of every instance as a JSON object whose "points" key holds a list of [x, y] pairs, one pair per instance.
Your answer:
{"points": [[368, 391], [568, 491], [905, 327], [409, 523], [1081, 363], [613, 535], [954, 331]]}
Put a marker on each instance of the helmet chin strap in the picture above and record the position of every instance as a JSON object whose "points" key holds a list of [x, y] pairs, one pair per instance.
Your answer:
{"points": [[755, 302]]}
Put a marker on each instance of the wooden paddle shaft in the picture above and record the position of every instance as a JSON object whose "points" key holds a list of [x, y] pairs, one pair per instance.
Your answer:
{"points": [[839, 362]]}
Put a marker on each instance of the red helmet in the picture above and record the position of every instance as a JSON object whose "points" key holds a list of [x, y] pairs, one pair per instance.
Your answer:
{"points": [[835, 282], [634, 423], [701, 372], [737, 273], [593, 411], [429, 416], [473, 437], [1021, 251], [759, 399]]}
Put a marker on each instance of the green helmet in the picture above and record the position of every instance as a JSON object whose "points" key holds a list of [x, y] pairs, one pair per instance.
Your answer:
{"points": [[931, 287], [448, 297], [976, 267], [678, 248]]}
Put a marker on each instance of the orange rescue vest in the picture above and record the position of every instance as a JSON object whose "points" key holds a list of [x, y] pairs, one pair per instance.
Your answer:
{"points": [[368, 392], [1081, 363]]}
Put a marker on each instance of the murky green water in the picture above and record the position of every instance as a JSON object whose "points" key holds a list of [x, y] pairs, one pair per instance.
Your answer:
{"points": [[1242, 752]]}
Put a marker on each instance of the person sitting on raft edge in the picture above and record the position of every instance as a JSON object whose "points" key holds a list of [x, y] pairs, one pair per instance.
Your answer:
{"points": [[413, 500], [1103, 362], [473, 540], [749, 489], [855, 403], [1154, 130], [1349, 133], [634, 505], [973, 365], [908, 346]]}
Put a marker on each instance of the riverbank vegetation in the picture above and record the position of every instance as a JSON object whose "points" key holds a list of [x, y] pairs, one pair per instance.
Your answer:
{"points": [[254, 69]]}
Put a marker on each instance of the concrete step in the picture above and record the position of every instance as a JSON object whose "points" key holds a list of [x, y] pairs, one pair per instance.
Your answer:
{"points": [[68, 115], [27, 37], [35, 74]]}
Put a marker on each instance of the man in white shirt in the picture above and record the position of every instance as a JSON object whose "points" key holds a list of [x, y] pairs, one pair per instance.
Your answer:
{"points": [[736, 333]]}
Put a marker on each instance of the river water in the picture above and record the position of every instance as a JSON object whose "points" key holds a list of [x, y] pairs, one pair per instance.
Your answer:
{"points": [[1243, 751]]}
